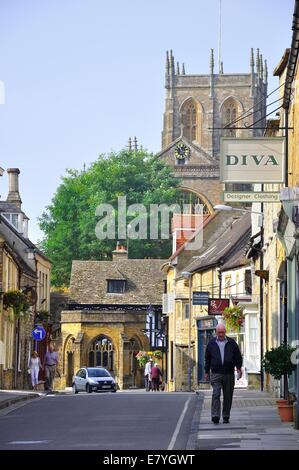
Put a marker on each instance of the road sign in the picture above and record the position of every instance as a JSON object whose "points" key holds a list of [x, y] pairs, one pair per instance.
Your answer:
{"points": [[251, 196], [217, 306], [39, 333], [200, 298]]}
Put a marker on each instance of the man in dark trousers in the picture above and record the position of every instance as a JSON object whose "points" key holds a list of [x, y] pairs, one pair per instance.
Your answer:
{"points": [[222, 356]]}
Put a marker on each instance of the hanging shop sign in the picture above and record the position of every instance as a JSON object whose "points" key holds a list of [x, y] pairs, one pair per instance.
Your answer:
{"points": [[251, 196], [255, 160], [200, 298], [217, 306]]}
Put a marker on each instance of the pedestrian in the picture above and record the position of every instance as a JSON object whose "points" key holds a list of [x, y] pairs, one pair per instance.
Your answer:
{"points": [[221, 357], [147, 375], [50, 366], [34, 367], [156, 377]]}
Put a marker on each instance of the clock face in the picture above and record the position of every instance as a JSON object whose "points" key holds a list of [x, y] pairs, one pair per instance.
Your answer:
{"points": [[182, 151]]}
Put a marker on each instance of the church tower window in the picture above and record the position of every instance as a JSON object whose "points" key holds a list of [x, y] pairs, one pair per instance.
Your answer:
{"points": [[229, 115], [190, 118]]}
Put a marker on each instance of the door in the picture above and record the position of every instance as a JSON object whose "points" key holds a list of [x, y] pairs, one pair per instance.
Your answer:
{"points": [[206, 330], [70, 368]]}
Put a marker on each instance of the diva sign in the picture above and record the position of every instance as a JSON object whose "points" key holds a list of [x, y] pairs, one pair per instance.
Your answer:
{"points": [[254, 160]]}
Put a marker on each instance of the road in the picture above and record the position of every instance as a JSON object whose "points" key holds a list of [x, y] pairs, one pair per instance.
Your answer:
{"points": [[98, 421]]}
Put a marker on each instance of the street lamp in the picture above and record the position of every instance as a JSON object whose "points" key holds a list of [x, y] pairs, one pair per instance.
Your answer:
{"points": [[223, 207], [150, 312], [188, 275]]}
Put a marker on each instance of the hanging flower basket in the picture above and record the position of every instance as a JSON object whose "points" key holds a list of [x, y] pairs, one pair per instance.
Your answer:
{"points": [[16, 300], [42, 316], [142, 358], [157, 354], [234, 318]]}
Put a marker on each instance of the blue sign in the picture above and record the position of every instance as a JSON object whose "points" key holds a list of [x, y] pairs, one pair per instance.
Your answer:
{"points": [[200, 298], [39, 333]]}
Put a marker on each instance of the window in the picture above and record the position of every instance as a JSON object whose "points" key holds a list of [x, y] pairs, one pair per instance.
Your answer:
{"points": [[191, 203], [116, 286], [187, 311], [14, 220], [165, 286], [229, 115], [248, 282], [190, 119], [227, 285], [101, 353], [181, 161], [8, 344]]}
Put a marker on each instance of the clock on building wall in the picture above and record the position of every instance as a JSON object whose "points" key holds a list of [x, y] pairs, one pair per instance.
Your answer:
{"points": [[182, 151]]}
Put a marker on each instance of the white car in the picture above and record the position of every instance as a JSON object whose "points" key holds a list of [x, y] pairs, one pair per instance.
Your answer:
{"points": [[93, 379]]}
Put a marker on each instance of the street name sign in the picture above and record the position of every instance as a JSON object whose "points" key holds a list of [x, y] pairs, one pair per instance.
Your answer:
{"points": [[39, 333], [251, 196], [254, 160], [200, 298]]}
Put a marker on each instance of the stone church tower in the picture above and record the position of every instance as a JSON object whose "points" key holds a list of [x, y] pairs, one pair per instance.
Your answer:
{"points": [[197, 107]]}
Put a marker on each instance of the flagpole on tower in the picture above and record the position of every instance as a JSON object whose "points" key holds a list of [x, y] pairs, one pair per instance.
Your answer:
{"points": [[219, 40]]}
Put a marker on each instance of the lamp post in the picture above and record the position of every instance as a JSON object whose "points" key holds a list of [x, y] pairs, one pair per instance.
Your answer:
{"points": [[188, 275], [150, 313]]}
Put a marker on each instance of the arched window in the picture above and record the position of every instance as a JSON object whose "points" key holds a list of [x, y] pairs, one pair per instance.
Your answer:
{"points": [[101, 353], [191, 203], [230, 111], [191, 120]]}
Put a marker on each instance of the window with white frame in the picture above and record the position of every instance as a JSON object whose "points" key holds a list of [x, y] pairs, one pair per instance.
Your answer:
{"points": [[253, 349]]}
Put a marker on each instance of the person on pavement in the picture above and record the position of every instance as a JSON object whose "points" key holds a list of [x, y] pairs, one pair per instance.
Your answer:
{"points": [[221, 357], [147, 375], [34, 367], [50, 365], [156, 377]]}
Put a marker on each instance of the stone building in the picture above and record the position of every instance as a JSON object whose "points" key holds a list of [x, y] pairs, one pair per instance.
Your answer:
{"points": [[197, 107], [109, 316], [23, 268]]}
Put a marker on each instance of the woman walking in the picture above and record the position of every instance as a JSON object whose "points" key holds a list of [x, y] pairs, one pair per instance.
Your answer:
{"points": [[156, 375], [34, 366]]}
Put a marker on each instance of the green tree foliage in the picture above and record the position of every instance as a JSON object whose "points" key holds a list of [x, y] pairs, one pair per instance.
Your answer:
{"points": [[69, 222]]}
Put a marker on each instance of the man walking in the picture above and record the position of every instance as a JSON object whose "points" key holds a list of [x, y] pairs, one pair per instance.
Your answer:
{"points": [[221, 358], [50, 365], [148, 375]]}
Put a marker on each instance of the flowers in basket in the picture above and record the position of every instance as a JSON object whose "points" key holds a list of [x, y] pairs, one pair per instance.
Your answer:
{"points": [[234, 318]]}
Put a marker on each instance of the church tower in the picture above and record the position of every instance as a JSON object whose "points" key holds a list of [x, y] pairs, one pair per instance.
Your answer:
{"points": [[197, 108]]}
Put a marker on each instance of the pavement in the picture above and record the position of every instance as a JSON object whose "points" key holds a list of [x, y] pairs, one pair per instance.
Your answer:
{"points": [[12, 397], [254, 425]]}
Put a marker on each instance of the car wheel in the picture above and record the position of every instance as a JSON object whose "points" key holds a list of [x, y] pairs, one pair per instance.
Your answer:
{"points": [[113, 391], [88, 388], [74, 388]]}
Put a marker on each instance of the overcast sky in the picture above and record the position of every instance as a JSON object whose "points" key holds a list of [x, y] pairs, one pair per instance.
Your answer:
{"points": [[81, 76]]}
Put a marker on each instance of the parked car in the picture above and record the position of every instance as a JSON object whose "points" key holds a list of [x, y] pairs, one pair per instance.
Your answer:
{"points": [[93, 379]]}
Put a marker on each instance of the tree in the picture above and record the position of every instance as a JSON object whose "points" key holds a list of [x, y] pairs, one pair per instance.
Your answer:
{"points": [[69, 222]]}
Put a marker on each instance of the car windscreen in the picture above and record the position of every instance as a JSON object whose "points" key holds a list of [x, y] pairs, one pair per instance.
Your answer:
{"points": [[97, 373]]}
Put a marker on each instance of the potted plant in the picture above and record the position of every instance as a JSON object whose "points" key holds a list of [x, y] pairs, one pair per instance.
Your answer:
{"points": [[157, 354], [277, 362], [234, 318]]}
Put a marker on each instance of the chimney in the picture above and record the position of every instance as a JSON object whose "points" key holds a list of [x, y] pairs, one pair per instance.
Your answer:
{"points": [[13, 191], [120, 252]]}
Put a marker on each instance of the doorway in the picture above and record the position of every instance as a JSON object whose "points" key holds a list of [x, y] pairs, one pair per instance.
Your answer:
{"points": [[205, 330]]}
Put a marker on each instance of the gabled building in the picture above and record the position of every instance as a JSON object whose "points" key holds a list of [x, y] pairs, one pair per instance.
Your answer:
{"points": [[114, 311], [23, 268]]}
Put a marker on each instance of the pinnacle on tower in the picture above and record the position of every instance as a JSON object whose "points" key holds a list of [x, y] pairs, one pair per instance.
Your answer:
{"points": [[135, 144], [130, 144], [183, 69], [172, 71], [167, 66], [221, 68], [257, 62], [177, 68], [252, 59], [261, 67]]}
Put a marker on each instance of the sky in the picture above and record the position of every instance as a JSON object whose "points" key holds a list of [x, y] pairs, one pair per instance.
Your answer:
{"points": [[82, 76]]}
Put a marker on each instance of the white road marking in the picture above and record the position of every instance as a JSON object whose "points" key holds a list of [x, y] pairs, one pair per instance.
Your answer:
{"points": [[28, 442], [178, 426]]}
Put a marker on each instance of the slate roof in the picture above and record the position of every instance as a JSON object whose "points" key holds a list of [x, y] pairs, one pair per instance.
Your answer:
{"points": [[144, 281], [225, 247]]}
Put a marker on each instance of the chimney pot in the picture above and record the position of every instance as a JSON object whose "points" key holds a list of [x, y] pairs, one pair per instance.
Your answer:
{"points": [[13, 186]]}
